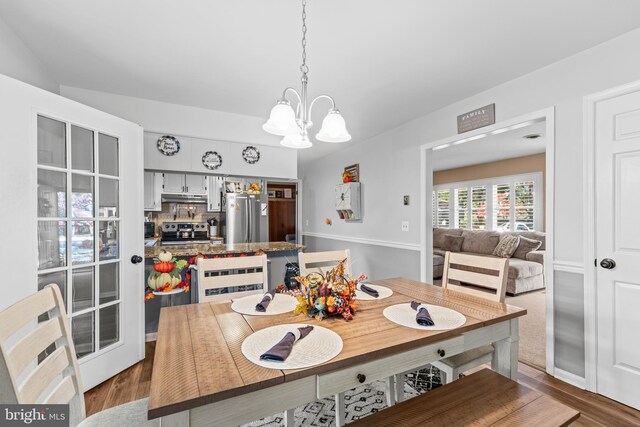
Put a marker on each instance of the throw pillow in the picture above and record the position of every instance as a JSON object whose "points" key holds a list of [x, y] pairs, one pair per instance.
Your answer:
{"points": [[526, 245], [452, 243], [507, 246]]}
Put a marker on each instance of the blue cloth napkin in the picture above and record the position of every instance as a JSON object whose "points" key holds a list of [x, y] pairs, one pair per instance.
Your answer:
{"points": [[423, 318], [368, 290], [266, 300], [281, 351]]}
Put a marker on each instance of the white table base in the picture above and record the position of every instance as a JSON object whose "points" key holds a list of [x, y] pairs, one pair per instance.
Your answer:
{"points": [[282, 397]]}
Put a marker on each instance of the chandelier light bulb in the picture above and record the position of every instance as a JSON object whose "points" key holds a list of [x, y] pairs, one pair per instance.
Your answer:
{"points": [[297, 141], [282, 120], [333, 128]]}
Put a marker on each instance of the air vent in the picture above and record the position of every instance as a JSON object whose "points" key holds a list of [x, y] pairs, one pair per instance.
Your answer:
{"points": [[532, 136]]}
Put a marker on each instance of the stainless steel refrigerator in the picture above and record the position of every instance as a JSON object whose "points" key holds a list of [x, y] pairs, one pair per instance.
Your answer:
{"points": [[247, 218]]}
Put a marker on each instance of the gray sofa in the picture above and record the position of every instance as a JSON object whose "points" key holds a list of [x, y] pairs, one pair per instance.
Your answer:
{"points": [[525, 274]]}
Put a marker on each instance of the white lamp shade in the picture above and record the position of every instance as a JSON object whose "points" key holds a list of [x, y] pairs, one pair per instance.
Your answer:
{"points": [[334, 128], [296, 141], [282, 120]]}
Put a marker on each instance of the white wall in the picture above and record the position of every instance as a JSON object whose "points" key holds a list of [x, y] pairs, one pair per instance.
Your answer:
{"points": [[163, 117], [390, 166], [19, 62]]}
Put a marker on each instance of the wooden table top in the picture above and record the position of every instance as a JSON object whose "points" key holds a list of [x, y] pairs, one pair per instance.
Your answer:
{"points": [[198, 358]]}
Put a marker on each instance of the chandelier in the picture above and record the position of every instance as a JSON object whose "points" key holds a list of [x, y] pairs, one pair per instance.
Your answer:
{"points": [[294, 126]]}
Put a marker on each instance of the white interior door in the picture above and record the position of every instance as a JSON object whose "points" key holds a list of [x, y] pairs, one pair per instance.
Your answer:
{"points": [[75, 191], [617, 142]]}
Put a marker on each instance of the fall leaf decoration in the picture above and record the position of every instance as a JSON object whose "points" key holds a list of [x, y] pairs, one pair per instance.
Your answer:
{"points": [[332, 294]]}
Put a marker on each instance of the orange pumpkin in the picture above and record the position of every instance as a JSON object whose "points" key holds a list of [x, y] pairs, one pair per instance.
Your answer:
{"points": [[163, 267]]}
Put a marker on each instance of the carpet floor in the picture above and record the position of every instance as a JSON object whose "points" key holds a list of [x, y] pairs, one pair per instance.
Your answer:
{"points": [[533, 335], [360, 402]]}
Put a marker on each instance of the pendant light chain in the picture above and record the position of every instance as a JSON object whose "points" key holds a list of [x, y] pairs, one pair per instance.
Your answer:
{"points": [[304, 68]]}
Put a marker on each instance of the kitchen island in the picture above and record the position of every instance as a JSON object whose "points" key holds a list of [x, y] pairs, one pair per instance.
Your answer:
{"points": [[278, 255]]}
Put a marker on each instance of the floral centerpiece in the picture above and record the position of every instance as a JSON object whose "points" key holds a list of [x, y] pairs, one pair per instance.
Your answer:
{"points": [[332, 294], [167, 275]]}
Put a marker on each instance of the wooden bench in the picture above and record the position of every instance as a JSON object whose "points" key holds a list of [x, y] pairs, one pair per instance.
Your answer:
{"points": [[483, 398]]}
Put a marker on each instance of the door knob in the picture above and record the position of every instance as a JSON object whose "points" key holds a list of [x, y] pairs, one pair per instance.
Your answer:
{"points": [[608, 263], [361, 378], [136, 259], [441, 352]]}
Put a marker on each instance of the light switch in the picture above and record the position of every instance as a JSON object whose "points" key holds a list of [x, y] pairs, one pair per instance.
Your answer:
{"points": [[405, 225], [306, 222]]}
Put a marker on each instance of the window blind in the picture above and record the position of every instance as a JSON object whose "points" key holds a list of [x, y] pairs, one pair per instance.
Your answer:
{"points": [[501, 206], [443, 209], [479, 208]]}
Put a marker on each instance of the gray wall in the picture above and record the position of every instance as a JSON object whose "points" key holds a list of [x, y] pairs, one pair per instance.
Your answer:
{"points": [[377, 262], [390, 168], [19, 62]]}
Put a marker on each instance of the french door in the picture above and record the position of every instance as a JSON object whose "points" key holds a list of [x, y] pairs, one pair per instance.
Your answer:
{"points": [[86, 183]]}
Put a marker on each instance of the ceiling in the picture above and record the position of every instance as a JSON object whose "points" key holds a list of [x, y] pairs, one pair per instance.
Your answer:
{"points": [[502, 146], [385, 62]]}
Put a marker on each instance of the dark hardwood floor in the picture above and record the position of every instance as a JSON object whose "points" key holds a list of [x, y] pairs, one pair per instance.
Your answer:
{"points": [[595, 410]]}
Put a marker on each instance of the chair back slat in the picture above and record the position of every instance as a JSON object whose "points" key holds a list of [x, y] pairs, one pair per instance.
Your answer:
{"points": [[28, 375], [220, 273], [40, 379], [482, 271], [29, 347], [62, 394], [18, 315], [322, 262]]}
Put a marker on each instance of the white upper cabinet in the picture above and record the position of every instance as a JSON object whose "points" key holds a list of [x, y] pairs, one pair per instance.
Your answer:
{"points": [[195, 184], [154, 159], [173, 183], [152, 191], [221, 158]]}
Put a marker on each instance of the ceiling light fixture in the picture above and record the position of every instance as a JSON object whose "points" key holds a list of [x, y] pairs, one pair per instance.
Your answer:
{"points": [[294, 126]]}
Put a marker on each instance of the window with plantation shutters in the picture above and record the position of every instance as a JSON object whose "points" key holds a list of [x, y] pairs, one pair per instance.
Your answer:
{"points": [[442, 208], [524, 204], [479, 208], [461, 208], [500, 204]]}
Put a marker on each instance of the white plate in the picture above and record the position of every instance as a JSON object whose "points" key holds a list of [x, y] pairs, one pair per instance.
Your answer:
{"points": [[383, 292], [321, 345], [281, 303], [171, 292], [443, 317]]}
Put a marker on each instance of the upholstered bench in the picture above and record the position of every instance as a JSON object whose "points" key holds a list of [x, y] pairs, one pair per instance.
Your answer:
{"points": [[483, 398]]}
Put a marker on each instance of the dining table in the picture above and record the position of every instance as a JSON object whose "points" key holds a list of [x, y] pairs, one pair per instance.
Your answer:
{"points": [[201, 377]]}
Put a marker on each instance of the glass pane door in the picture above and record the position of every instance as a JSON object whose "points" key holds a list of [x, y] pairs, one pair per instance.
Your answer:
{"points": [[79, 228]]}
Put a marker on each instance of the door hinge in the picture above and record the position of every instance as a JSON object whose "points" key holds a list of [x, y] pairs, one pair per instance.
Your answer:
{"points": [[595, 262]]}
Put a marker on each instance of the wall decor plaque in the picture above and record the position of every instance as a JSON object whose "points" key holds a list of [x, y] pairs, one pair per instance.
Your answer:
{"points": [[251, 155], [168, 145], [478, 118], [212, 160]]}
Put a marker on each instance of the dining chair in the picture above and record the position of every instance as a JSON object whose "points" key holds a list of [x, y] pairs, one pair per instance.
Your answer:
{"points": [[322, 262], [480, 276], [220, 279], [38, 363]]}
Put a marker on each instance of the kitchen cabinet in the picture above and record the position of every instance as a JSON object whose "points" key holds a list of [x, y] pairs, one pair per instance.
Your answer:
{"points": [[274, 162], [180, 183], [215, 196], [152, 191]]}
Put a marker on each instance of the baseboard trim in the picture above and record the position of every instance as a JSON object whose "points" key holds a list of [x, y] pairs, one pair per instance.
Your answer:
{"points": [[569, 267], [568, 377], [152, 336], [386, 243]]}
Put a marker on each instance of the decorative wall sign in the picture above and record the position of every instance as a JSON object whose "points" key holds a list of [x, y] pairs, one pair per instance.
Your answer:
{"points": [[212, 160], [478, 118], [168, 145], [351, 173], [251, 155]]}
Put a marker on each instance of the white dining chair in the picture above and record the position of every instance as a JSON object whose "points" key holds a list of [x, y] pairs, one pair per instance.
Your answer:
{"points": [[480, 276], [322, 262], [32, 373], [221, 279]]}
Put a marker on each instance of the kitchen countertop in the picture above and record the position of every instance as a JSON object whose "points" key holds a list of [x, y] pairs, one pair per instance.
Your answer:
{"points": [[218, 249]]}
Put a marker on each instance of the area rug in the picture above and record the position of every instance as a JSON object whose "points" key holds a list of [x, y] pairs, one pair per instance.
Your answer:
{"points": [[360, 402], [533, 337]]}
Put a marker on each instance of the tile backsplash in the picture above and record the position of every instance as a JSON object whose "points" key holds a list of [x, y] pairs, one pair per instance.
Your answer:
{"points": [[184, 212]]}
